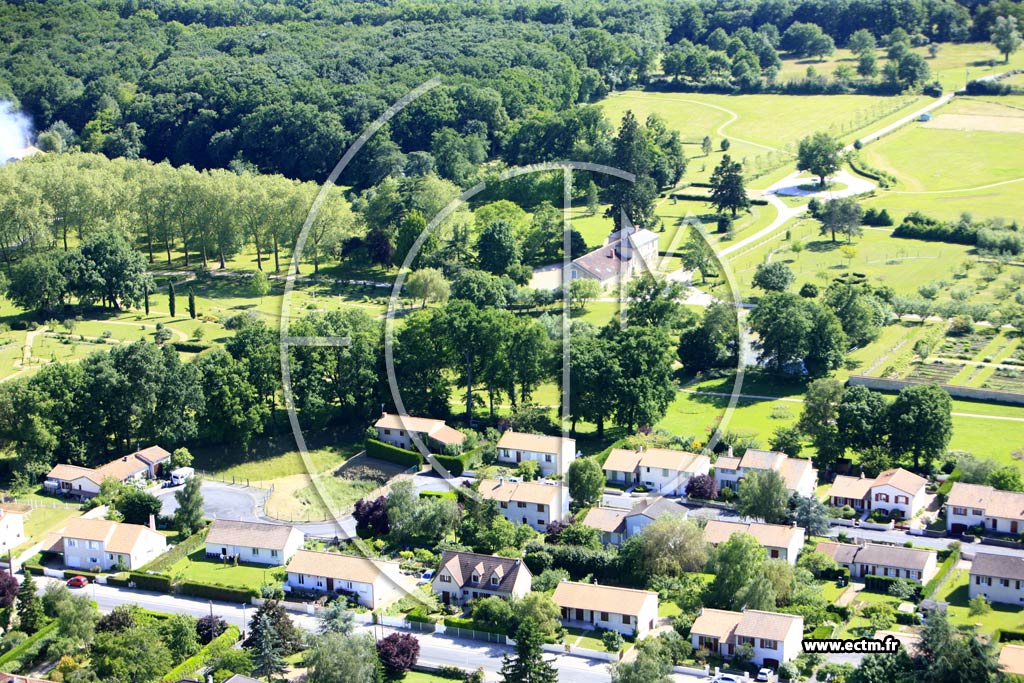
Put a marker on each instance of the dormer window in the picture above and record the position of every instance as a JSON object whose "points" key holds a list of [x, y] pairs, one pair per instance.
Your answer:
{"points": [[494, 580], [475, 578]]}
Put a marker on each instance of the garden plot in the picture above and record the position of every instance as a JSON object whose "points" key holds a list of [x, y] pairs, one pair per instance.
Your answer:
{"points": [[966, 347], [1005, 379], [937, 372]]}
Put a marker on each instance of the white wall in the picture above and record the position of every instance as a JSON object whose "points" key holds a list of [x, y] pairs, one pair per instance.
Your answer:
{"points": [[1005, 591]]}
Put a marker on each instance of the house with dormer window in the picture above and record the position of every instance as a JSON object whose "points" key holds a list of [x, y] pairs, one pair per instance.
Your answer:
{"points": [[464, 576]]}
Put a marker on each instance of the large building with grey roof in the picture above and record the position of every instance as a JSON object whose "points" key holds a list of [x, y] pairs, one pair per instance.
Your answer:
{"points": [[1000, 578], [464, 576], [876, 559], [253, 542]]}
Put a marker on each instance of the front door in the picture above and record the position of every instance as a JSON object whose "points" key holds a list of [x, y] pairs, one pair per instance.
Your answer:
{"points": [[330, 583], [579, 614], [1013, 527], [446, 597]]}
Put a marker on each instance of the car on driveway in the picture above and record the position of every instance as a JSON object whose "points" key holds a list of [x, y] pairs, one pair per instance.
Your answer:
{"points": [[426, 577], [725, 678], [765, 674], [78, 582]]}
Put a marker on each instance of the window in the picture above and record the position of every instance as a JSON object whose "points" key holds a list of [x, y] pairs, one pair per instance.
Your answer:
{"points": [[902, 499], [255, 552], [94, 560], [626, 619], [273, 553], [319, 583], [959, 511], [540, 522], [664, 471], [976, 511], [445, 578], [387, 431], [547, 457], [540, 507], [520, 504], [110, 556], [494, 580], [884, 497], [302, 579], [604, 616], [72, 543], [1005, 583], [504, 506], [769, 644], [93, 545], [475, 578]]}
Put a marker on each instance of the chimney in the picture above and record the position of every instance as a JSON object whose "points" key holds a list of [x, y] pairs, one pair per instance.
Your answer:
{"points": [[152, 523], [862, 475]]}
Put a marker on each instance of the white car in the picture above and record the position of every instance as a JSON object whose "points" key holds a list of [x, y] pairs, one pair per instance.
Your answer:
{"points": [[765, 674], [426, 577], [724, 678]]}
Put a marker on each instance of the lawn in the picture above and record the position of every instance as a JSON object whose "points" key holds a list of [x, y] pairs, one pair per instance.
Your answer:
{"points": [[41, 521], [954, 592], [196, 567]]}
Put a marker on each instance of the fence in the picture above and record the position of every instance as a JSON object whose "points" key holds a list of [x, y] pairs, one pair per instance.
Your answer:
{"points": [[470, 634], [575, 651]]}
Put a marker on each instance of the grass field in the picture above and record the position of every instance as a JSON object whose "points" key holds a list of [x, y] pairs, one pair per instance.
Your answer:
{"points": [[196, 567], [955, 593]]}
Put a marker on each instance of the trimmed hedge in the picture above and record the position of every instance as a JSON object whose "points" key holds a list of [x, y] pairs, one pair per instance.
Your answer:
{"points": [[879, 584], [1005, 635], [151, 582], [179, 552], [200, 659], [212, 591], [944, 569], [15, 653], [385, 451], [686, 196], [191, 346], [454, 464]]}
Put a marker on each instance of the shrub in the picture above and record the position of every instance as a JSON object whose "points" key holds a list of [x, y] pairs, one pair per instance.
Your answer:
{"points": [[454, 464], [612, 640], [212, 591], [151, 582], [385, 451], [212, 650]]}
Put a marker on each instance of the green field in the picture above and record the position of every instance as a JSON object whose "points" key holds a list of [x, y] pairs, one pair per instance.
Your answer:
{"points": [[196, 567], [1003, 617]]}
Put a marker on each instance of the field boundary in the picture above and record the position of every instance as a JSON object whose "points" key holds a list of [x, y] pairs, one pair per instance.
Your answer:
{"points": [[881, 384]]}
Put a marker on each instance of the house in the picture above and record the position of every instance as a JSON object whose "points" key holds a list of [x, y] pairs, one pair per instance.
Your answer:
{"points": [[253, 542], [239, 678], [611, 522], [372, 583], [875, 559], [528, 502], [12, 528], [553, 454], [971, 505], [467, 576], [625, 254], [774, 637], [998, 577], [437, 436], [895, 490], [782, 541], [648, 511], [90, 543], [16, 678], [1011, 660], [798, 473], [589, 606], [661, 470], [84, 482]]}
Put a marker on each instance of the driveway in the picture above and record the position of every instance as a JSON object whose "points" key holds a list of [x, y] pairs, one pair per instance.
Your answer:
{"points": [[221, 501]]}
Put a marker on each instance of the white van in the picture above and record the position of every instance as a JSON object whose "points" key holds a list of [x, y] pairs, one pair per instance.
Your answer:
{"points": [[181, 475]]}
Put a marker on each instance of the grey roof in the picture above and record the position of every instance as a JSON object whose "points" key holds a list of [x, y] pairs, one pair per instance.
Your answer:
{"points": [[250, 534], [999, 566], [877, 554], [462, 565], [658, 508]]}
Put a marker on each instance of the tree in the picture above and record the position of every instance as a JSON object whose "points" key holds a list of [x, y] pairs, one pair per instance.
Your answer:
{"points": [[862, 418], [1005, 36], [498, 249], [267, 652], [181, 457], [538, 609], [861, 41], [884, 668], [652, 301], [191, 303], [136, 655], [670, 545], [763, 495], [773, 277], [398, 653], [811, 514], [428, 284], [209, 627], [713, 343], [593, 201], [698, 255], [819, 420], [8, 589], [643, 386], [334, 658], [782, 321], [272, 615], [528, 665], [826, 342], [705, 145], [843, 215], [180, 635], [260, 284], [30, 608], [171, 304], [702, 486], [136, 506], [818, 154], [586, 482], [646, 668], [336, 617], [921, 423], [1006, 478], [582, 290], [788, 440], [188, 518], [728, 191], [372, 516], [735, 564], [633, 151]]}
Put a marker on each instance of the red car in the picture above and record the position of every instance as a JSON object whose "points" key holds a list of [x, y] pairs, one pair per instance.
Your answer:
{"points": [[78, 582]]}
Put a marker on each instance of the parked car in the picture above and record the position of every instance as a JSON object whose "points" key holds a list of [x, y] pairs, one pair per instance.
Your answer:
{"points": [[425, 577], [725, 678], [765, 674], [78, 582]]}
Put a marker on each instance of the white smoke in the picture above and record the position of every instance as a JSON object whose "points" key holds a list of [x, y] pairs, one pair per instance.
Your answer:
{"points": [[15, 132]]}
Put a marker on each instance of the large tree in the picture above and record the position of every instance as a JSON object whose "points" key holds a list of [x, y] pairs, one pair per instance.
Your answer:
{"points": [[188, 518], [398, 653], [714, 342], [528, 664], [644, 386], [671, 546], [773, 277], [336, 658], [819, 420], [763, 496], [498, 248], [728, 192], [736, 564], [818, 154], [842, 215], [862, 418], [921, 423], [586, 482], [632, 152], [782, 322], [1006, 36]]}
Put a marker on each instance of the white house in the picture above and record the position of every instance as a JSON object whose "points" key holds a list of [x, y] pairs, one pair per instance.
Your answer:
{"points": [[84, 482], [782, 541], [626, 253], [798, 473], [553, 454], [611, 522], [12, 529], [465, 576], [528, 502], [253, 542], [90, 543], [892, 490], [589, 606], [649, 510], [373, 583], [875, 559], [663, 471], [435, 434], [774, 637], [999, 578], [973, 505]]}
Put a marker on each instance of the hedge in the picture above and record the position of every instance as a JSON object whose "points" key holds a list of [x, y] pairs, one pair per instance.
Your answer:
{"points": [[179, 552], [879, 584], [944, 569], [191, 346], [151, 582], [458, 622], [200, 659], [385, 451], [685, 196], [15, 653], [1005, 635], [212, 591], [452, 463]]}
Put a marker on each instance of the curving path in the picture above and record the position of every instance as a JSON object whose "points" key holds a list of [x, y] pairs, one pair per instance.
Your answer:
{"points": [[963, 189]]}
